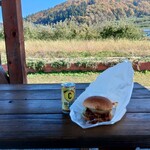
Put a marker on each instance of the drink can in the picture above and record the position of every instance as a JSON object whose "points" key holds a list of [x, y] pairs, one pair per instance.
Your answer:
{"points": [[67, 96]]}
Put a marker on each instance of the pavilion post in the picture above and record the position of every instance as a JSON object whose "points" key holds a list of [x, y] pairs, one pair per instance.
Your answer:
{"points": [[14, 41]]}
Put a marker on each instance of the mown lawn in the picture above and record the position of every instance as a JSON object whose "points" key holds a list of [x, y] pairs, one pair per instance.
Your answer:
{"points": [[81, 77]]}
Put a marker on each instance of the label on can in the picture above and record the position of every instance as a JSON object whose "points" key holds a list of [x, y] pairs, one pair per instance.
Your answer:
{"points": [[68, 96]]}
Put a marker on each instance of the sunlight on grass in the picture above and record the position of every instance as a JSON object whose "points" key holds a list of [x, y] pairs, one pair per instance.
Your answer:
{"points": [[49, 49], [121, 46], [142, 78], [62, 77]]}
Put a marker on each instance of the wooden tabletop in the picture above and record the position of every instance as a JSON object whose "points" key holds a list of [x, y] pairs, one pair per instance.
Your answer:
{"points": [[31, 117]]}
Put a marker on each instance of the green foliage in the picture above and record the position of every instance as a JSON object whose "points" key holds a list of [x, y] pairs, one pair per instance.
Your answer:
{"points": [[117, 31], [86, 63], [36, 65], [39, 32], [59, 64], [69, 30], [30, 31]]}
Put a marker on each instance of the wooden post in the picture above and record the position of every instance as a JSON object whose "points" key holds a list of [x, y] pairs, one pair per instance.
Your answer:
{"points": [[14, 40]]}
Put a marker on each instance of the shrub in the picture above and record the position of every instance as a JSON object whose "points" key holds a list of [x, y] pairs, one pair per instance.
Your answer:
{"points": [[36, 65], [69, 30], [121, 31]]}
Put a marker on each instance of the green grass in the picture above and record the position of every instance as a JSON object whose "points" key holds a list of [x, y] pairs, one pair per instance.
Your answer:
{"points": [[142, 78]]}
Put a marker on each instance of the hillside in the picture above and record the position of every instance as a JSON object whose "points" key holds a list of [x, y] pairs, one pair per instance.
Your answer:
{"points": [[92, 11]]}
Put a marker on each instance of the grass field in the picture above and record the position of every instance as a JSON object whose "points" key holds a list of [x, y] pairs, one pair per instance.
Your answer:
{"points": [[75, 49], [81, 77], [60, 48], [100, 48]]}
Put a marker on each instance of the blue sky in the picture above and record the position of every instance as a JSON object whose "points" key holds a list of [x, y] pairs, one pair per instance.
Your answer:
{"points": [[33, 6]]}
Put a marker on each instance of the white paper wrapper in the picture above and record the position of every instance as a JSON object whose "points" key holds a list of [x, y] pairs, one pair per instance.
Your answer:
{"points": [[115, 83]]}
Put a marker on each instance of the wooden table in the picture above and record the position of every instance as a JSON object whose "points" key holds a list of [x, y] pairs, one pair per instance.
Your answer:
{"points": [[31, 117]]}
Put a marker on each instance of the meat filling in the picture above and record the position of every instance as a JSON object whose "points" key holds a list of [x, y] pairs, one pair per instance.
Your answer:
{"points": [[94, 117]]}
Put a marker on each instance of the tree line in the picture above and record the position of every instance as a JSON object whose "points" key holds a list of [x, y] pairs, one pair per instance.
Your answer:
{"points": [[69, 30]]}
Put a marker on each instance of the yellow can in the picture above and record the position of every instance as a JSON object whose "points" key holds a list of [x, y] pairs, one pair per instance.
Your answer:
{"points": [[67, 96]]}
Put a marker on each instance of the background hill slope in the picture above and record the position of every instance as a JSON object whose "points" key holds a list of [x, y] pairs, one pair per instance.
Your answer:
{"points": [[92, 11]]}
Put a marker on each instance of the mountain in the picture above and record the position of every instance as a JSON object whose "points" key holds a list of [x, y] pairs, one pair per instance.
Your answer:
{"points": [[92, 11]]}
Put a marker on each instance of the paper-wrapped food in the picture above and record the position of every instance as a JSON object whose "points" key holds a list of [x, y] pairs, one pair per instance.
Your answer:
{"points": [[112, 92]]}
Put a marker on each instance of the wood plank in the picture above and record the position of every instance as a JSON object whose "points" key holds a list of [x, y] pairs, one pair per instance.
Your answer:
{"points": [[54, 106], [38, 86], [22, 106], [28, 101], [14, 40], [53, 91], [51, 86], [34, 94], [30, 107], [45, 130], [56, 94], [138, 106]]}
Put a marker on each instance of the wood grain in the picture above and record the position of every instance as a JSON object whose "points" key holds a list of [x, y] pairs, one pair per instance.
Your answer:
{"points": [[49, 129], [14, 40], [31, 117]]}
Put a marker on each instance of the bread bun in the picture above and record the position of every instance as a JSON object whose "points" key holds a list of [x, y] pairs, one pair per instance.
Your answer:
{"points": [[98, 103]]}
